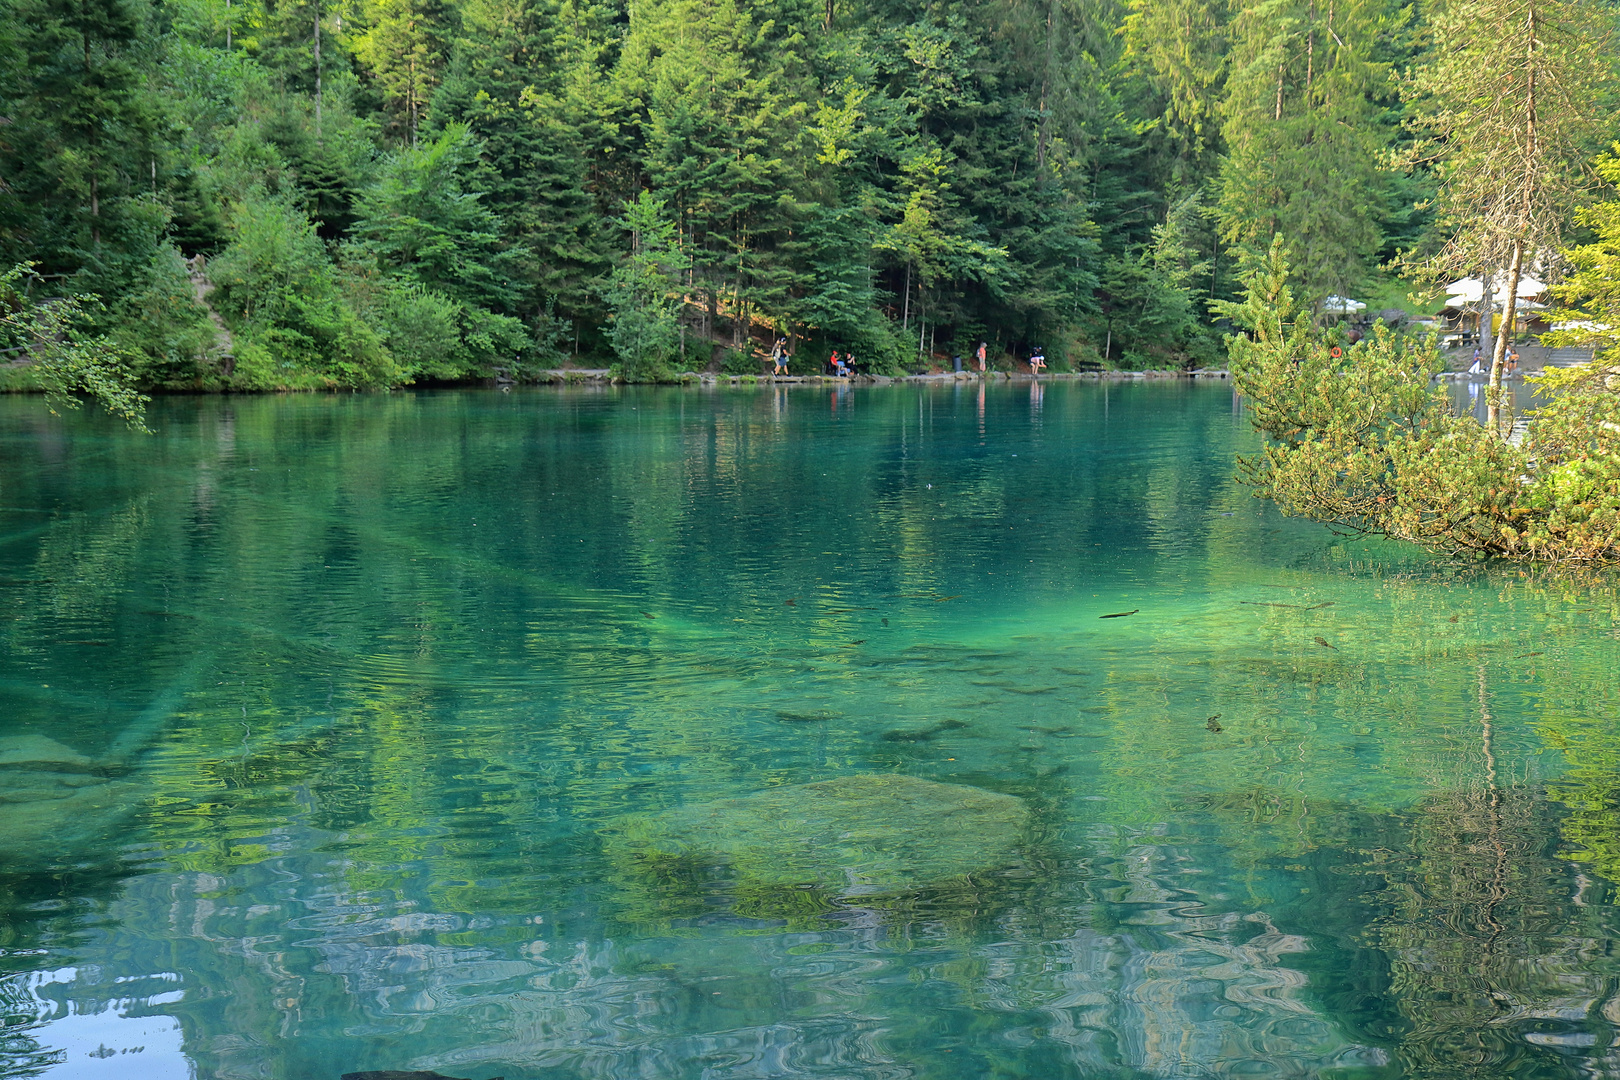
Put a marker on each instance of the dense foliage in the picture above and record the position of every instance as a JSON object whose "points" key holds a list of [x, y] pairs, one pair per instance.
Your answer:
{"points": [[306, 193], [1362, 438]]}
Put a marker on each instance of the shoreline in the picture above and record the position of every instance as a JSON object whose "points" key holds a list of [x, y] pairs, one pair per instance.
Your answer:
{"points": [[578, 376], [564, 377]]}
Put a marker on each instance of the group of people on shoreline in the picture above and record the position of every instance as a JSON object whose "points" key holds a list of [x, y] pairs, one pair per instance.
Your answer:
{"points": [[842, 364]]}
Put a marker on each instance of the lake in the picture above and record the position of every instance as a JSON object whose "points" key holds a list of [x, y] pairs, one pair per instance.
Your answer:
{"points": [[902, 732]]}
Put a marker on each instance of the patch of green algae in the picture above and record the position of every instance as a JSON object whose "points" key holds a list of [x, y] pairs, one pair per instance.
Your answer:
{"points": [[853, 836]]}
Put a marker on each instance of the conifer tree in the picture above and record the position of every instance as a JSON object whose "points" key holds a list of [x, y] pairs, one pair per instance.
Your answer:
{"points": [[511, 83], [78, 150], [643, 290], [1306, 137], [404, 49], [1180, 47], [1507, 101], [722, 141]]}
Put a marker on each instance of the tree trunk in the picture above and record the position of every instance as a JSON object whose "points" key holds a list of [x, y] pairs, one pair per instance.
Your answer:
{"points": [[95, 190], [1487, 325], [1499, 355], [1310, 57], [711, 311], [317, 74], [905, 305], [1046, 77]]}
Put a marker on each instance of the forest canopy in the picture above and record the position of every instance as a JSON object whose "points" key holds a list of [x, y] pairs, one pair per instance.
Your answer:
{"points": [[258, 194]]}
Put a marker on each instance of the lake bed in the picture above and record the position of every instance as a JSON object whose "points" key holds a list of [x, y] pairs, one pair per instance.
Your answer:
{"points": [[552, 733]]}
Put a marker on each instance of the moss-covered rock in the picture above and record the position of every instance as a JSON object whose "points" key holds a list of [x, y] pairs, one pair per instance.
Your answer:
{"points": [[856, 835]]}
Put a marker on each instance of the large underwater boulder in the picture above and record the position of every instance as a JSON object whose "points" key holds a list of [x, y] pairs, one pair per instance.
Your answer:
{"points": [[856, 835], [52, 796]]}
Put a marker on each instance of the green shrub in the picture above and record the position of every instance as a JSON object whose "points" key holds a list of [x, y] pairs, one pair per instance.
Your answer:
{"points": [[165, 332], [1365, 441], [740, 361], [278, 289]]}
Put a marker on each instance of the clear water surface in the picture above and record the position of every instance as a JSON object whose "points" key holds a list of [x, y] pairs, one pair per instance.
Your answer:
{"points": [[430, 731]]}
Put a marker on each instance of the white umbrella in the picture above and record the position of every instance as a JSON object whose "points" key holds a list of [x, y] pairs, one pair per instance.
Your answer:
{"points": [[1471, 290], [1341, 305]]}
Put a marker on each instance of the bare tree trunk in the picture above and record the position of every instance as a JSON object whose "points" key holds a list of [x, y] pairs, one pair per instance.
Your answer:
{"points": [[95, 190], [1046, 77], [1310, 57], [317, 74], [1510, 309], [905, 307], [227, 25], [1493, 399], [1487, 324], [711, 312]]}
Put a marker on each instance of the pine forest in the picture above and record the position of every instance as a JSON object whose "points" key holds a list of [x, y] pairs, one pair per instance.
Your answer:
{"points": [[267, 194]]}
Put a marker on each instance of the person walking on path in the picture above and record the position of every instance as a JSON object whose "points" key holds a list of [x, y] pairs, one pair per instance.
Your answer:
{"points": [[779, 357], [979, 355]]}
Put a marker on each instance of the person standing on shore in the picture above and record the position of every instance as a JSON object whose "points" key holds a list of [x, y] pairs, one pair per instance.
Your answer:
{"points": [[979, 355]]}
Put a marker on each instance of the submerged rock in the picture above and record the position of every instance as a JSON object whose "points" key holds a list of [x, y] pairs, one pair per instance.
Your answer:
{"points": [[817, 717], [44, 812], [856, 835], [38, 750], [51, 797]]}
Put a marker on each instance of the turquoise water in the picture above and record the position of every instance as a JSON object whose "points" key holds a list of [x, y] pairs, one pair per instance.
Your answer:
{"points": [[754, 733]]}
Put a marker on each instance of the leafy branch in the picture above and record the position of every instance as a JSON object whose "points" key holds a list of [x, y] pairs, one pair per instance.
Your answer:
{"points": [[65, 358]]}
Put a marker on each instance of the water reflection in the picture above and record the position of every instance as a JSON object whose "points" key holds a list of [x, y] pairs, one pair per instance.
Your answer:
{"points": [[318, 716]]}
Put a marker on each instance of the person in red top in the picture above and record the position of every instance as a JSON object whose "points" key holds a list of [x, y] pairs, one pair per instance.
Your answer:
{"points": [[979, 355]]}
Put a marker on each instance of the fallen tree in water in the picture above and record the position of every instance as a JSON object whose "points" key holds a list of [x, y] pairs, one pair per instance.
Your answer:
{"points": [[1361, 438]]}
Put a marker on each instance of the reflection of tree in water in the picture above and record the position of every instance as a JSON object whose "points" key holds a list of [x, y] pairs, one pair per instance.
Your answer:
{"points": [[1495, 952], [1182, 987], [20, 1053]]}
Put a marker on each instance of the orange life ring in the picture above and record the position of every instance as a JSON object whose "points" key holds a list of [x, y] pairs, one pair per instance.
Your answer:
{"points": [[1335, 352]]}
